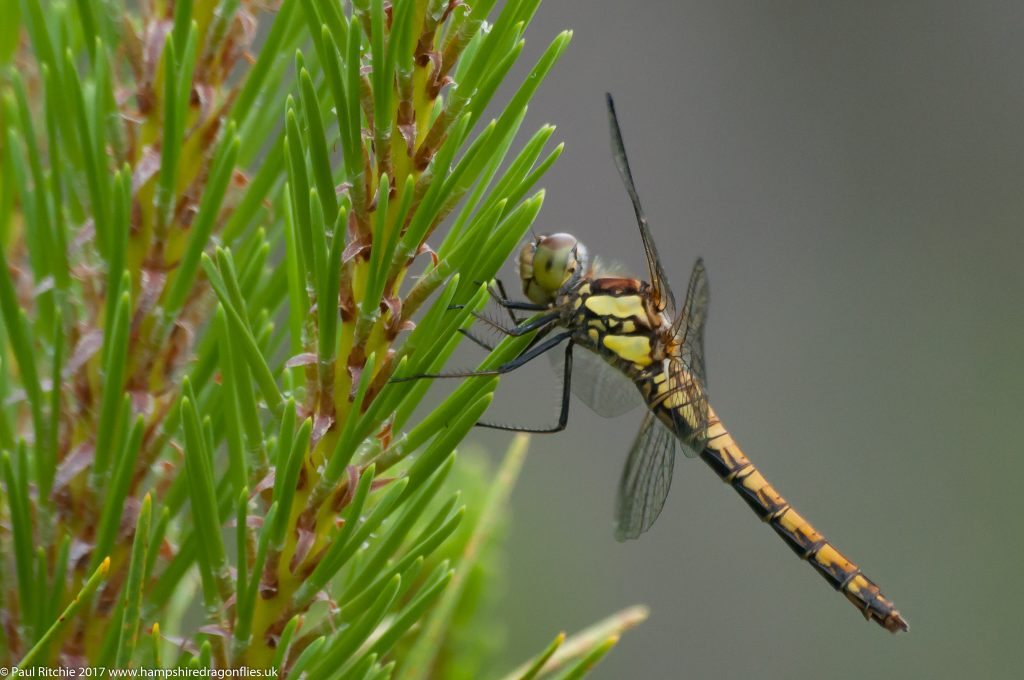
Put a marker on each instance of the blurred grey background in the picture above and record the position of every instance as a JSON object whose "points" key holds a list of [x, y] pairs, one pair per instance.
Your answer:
{"points": [[853, 174]]}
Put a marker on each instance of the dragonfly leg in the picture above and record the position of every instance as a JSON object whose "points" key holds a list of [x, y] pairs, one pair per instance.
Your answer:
{"points": [[477, 339], [515, 331], [522, 327], [507, 367], [501, 298], [563, 415], [519, 329], [504, 296]]}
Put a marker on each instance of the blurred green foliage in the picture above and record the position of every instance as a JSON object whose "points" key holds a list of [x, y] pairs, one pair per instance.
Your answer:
{"points": [[213, 258]]}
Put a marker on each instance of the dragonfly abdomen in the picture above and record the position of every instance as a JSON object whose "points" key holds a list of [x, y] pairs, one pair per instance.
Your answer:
{"points": [[734, 468]]}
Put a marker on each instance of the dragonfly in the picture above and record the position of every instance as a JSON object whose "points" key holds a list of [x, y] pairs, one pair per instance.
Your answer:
{"points": [[636, 330]]}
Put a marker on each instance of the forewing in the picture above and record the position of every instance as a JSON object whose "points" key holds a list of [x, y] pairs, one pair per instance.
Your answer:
{"points": [[662, 291], [598, 385], [688, 327], [645, 480]]}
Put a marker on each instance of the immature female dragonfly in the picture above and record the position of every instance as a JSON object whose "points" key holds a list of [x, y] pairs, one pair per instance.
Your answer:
{"points": [[635, 327]]}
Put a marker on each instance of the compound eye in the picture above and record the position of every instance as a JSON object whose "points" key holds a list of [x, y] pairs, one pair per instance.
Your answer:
{"points": [[554, 260], [559, 241]]}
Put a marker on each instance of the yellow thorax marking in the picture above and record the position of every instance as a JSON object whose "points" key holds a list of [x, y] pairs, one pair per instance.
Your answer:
{"points": [[632, 348], [622, 307]]}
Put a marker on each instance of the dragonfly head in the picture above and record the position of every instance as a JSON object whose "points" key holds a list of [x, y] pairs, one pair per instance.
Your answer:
{"points": [[550, 263]]}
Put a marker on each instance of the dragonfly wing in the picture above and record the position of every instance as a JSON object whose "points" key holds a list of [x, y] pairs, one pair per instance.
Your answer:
{"points": [[598, 385], [662, 291], [688, 326], [686, 389], [645, 480]]}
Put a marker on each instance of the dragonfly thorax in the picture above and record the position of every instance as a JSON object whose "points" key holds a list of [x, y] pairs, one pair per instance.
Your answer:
{"points": [[551, 264]]}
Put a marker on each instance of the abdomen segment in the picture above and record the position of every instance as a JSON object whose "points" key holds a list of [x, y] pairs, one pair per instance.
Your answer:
{"points": [[735, 469]]}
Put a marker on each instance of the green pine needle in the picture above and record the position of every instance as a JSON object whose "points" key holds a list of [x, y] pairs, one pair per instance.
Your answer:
{"points": [[216, 255]]}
